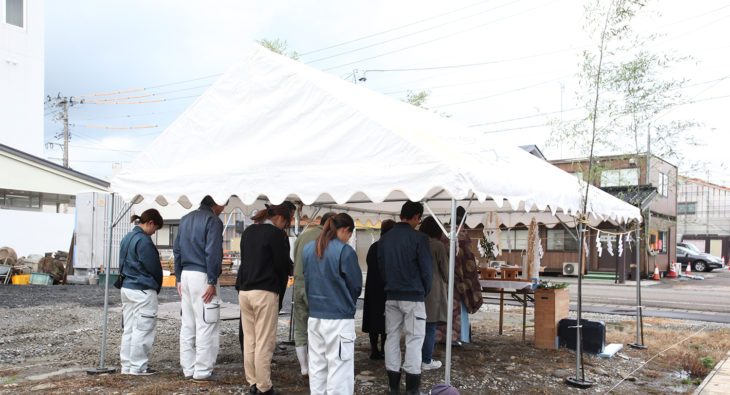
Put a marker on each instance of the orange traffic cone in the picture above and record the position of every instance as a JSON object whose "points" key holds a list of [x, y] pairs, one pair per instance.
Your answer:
{"points": [[656, 273], [672, 271], [689, 269]]}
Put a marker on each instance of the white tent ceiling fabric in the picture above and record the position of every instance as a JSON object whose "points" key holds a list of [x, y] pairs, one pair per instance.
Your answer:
{"points": [[274, 127]]}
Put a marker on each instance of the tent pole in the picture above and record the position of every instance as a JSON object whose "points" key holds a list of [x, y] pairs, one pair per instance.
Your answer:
{"points": [[579, 379], [639, 330], [102, 368], [450, 297], [438, 222]]}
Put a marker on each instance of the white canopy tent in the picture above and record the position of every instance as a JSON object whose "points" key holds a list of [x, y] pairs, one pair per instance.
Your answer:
{"points": [[272, 128]]}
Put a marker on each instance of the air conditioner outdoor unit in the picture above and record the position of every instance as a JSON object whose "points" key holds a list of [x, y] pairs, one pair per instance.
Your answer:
{"points": [[497, 264], [570, 268]]}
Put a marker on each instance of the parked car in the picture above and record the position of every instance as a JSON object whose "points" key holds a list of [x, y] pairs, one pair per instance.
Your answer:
{"points": [[700, 261]]}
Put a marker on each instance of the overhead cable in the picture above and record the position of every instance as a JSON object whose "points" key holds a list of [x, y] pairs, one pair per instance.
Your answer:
{"points": [[439, 38], [409, 34], [392, 29], [119, 127]]}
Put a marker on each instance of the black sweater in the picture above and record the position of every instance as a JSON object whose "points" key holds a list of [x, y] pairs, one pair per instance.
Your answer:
{"points": [[265, 263]]}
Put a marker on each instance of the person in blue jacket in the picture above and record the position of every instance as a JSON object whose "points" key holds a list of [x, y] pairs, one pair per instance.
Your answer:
{"points": [[404, 259], [333, 281], [139, 264]]}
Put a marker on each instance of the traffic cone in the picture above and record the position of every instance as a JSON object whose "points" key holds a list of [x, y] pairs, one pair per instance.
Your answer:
{"points": [[689, 269], [672, 271], [656, 273]]}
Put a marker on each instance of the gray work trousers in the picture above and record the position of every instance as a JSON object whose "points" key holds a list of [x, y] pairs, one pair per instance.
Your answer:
{"points": [[411, 316]]}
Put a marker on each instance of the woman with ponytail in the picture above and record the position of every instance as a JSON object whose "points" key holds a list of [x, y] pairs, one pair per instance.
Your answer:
{"points": [[333, 283], [262, 277], [141, 273]]}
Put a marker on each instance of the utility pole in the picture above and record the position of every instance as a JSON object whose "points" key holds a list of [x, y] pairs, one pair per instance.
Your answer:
{"points": [[63, 102]]}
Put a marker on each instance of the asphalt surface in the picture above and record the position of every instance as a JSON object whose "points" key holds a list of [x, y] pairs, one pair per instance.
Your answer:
{"points": [[700, 300]]}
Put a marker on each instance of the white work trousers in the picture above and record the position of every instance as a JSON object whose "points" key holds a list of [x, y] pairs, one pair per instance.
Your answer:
{"points": [[139, 318], [199, 334], [411, 316], [331, 356]]}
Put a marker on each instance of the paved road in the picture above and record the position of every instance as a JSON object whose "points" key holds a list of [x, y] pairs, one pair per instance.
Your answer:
{"points": [[703, 300]]}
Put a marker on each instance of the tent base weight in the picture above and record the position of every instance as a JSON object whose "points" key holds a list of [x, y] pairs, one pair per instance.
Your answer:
{"points": [[580, 383], [101, 370], [639, 346]]}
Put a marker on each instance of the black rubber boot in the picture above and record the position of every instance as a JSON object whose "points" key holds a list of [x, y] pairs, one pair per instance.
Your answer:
{"points": [[375, 353], [413, 384], [393, 382]]}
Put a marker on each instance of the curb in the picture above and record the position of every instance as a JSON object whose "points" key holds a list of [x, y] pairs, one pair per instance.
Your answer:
{"points": [[722, 386]]}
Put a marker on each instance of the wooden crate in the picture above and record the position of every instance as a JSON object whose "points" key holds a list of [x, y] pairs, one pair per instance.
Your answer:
{"points": [[227, 279], [510, 273], [551, 305], [487, 273]]}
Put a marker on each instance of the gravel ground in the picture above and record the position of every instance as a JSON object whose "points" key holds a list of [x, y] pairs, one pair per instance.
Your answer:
{"points": [[50, 335]]}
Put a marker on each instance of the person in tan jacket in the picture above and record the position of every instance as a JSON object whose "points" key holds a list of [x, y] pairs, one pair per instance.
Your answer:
{"points": [[437, 308]]}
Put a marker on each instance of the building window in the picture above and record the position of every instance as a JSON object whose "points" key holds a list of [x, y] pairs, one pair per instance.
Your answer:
{"points": [[687, 208], [560, 240], [26, 200], [14, 12], [619, 177], [514, 239], [165, 236], [663, 238], [663, 180]]}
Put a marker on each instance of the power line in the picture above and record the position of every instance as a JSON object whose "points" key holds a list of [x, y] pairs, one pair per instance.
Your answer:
{"points": [[393, 29], [439, 38], [691, 100], [104, 149], [472, 64], [148, 101], [525, 117], [496, 94], [153, 86], [578, 108], [693, 17], [119, 127], [129, 115], [409, 34]]}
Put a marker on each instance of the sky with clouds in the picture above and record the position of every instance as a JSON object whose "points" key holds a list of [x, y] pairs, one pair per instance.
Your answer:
{"points": [[522, 59]]}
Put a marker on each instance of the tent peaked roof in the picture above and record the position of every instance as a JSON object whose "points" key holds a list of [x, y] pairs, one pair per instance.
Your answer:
{"points": [[276, 127]]}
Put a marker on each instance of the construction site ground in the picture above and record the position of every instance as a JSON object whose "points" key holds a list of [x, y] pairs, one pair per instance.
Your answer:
{"points": [[51, 335]]}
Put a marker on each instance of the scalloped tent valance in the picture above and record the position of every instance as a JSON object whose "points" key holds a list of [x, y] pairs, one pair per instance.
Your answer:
{"points": [[273, 127]]}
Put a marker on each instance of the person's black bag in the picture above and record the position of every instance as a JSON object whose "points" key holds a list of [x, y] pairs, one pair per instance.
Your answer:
{"points": [[120, 280]]}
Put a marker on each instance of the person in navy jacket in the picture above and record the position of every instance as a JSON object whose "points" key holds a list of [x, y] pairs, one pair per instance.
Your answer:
{"points": [[404, 259], [139, 264], [333, 281]]}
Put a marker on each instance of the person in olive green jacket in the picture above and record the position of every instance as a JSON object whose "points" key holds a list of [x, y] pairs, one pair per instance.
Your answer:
{"points": [[301, 306]]}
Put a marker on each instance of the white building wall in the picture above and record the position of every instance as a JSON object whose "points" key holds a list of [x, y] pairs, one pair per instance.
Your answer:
{"points": [[712, 208], [22, 79]]}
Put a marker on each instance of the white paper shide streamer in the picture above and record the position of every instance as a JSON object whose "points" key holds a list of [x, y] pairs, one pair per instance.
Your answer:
{"points": [[620, 245], [609, 245]]}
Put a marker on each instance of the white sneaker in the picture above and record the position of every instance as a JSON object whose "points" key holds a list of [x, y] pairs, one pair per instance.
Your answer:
{"points": [[430, 366], [146, 372]]}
